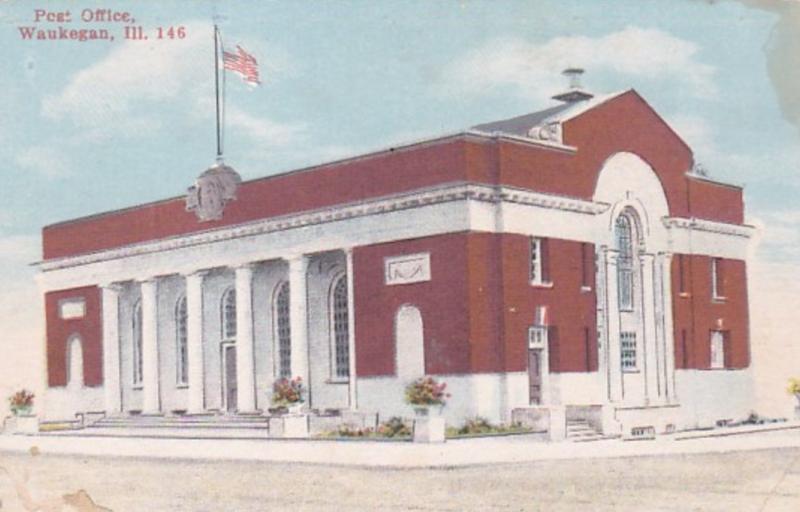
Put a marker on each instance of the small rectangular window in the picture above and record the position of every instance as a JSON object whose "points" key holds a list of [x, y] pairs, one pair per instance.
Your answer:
{"points": [[536, 261], [717, 350], [684, 350], [537, 336], [628, 351], [587, 266], [717, 279]]}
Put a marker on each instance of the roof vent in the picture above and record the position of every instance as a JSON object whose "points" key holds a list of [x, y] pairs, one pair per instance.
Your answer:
{"points": [[575, 91]]}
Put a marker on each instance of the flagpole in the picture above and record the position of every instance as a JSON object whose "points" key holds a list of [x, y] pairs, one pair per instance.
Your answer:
{"points": [[216, 91]]}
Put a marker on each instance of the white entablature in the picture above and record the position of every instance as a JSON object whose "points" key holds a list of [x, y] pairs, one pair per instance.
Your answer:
{"points": [[433, 211]]}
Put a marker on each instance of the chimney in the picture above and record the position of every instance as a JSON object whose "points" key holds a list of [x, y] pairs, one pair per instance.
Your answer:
{"points": [[575, 92]]}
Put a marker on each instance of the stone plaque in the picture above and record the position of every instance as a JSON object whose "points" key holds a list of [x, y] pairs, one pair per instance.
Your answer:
{"points": [[409, 268]]}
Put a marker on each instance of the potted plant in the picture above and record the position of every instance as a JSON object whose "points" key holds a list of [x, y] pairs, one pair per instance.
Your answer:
{"points": [[794, 388], [21, 403], [427, 396], [287, 396], [22, 421]]}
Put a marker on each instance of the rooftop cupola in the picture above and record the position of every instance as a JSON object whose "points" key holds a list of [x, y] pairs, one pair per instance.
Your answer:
{"points": [[575, 92]]}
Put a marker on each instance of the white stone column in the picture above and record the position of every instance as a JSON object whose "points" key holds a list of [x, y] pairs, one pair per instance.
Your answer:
{"points": [[650, 356], [615, 387], [111, 367], [601, 287], [194, 342], [298, 310], [151, 403], [245, 359], [351, 332], [669, 331]]}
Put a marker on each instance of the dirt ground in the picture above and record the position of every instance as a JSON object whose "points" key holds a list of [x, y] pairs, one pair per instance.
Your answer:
{"points": [[766, 481]]}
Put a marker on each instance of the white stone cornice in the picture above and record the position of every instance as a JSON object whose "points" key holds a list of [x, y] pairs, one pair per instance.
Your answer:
{"points": [[480, 193], [709, 226]]}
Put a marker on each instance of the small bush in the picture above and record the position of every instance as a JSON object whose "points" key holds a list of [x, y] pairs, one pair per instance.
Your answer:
{"points": [[395, 427], [482, 426]]}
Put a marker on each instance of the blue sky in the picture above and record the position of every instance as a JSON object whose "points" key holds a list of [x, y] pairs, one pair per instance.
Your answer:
{"points": [[93, 126]]}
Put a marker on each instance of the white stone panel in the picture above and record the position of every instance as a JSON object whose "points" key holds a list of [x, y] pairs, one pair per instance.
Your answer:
{"points": [[707, 396], [409, 343], [62, 403]]}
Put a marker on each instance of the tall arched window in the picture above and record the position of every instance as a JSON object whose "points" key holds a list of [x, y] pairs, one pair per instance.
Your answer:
{"points": [[624, 230], [283, 332], [341, 329], [74, 361], [181, 343], [137, 343], [228, 310]]}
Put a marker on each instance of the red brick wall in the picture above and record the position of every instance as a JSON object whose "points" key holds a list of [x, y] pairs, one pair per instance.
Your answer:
{"points": [[442, 302], [571, 311], [327, 185], [89, 328], [478, 306], [696, 314], [625, 123]]}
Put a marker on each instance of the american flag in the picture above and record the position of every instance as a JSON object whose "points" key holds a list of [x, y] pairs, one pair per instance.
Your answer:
{"points": [[242, 63]]}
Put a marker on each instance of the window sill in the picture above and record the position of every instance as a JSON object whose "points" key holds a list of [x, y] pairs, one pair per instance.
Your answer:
{"points": [[718, 300], [339, 380], [542, 284], [181, 386], [631, 370], [137, 387], [684, 295], [586, 289]]}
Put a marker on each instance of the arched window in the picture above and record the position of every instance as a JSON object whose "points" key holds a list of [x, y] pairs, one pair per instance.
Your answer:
{"points": [[283, 332], [624, 238], [341, 329], [228, 310], [74, 361], [181, 342], [137, 343]]}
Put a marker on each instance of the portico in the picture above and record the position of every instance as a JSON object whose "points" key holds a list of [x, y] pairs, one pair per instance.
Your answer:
{"points": [[181, 323]]}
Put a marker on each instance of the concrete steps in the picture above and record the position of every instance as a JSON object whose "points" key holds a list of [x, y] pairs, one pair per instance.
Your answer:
{"points": [[580, 431], [187, 426]]}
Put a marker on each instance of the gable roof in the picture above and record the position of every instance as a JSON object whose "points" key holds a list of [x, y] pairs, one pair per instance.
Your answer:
{"points": [[521, 125]]}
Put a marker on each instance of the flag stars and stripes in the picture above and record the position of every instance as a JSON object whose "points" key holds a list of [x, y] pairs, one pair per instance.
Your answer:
{"points": [[242, 63]]}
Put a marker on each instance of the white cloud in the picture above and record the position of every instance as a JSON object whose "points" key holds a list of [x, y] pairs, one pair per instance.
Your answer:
{"points": [[105, 95], [532, 69], [44, 160], [262, 130]]}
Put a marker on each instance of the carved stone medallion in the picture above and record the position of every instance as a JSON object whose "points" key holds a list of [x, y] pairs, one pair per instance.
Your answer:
{"points": [[211, 192]]}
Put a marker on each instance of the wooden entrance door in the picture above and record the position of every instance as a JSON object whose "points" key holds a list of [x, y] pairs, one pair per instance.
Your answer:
{"points": [[229, 376], [535, 375]]}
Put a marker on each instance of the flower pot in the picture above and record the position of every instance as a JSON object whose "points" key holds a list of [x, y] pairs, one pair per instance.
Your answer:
{"points": [[21, 424], [296, 408], [21, 410], [432, 410]]}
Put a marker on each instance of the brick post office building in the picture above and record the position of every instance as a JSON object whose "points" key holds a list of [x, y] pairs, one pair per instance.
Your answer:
{"points": [[572, 260]]}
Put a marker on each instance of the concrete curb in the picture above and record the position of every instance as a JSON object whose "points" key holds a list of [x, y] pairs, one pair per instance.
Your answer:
{"points": [[459, 453]]}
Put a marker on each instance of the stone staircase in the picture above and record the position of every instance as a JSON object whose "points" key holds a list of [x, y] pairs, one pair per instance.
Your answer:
{"points": [[206, 426], [579, 431]]}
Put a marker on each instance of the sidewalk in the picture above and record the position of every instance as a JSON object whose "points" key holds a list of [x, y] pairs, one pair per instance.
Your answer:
{"points": [[453, 453]]}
